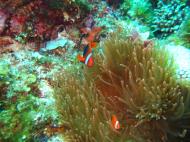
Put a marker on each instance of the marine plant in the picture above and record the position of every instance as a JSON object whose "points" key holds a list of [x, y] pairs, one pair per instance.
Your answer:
{"points": [[20, 82], [24, 118], [168, 17], [141, 85], [4, 70], [16, 118]]}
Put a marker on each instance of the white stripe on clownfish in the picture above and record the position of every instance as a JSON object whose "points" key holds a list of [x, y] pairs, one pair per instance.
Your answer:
{"points": [[87, 58], [117, 125]]}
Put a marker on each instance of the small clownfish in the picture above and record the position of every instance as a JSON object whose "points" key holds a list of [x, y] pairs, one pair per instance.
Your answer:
{"points": [[87, 55], [115, 122]]}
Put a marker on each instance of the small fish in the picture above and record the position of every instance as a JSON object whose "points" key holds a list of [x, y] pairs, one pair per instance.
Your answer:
{"points": [[115, 122], [91, 33], [87, 58]]}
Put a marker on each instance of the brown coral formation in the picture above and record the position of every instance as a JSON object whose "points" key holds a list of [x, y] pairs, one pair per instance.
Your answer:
{"points": [[33, 18]]}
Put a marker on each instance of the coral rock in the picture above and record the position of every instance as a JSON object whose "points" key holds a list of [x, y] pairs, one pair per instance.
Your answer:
{"points": [[3, 18]]}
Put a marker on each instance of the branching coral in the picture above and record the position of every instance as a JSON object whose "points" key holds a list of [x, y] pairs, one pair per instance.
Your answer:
{"points": [[168, 17]]}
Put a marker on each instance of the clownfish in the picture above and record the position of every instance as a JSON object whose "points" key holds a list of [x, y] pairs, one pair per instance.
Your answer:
{"points": [[115, 122], [91, 33], [87, 58]]}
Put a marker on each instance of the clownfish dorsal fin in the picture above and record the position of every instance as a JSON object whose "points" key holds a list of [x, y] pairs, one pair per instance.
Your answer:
{"points": [[92, 44]]}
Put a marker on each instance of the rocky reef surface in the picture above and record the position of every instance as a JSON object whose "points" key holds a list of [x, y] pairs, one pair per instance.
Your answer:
{"points": [[29, 62]]}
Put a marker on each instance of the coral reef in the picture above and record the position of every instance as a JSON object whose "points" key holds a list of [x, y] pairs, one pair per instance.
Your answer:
{"points": [[114, 3], [31, 18], [20, 119], [133, 78], [168, 17], [137, 9], [26, 104]]}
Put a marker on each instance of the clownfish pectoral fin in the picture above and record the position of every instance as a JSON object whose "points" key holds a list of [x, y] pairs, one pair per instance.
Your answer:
{"points": [[115, 122], [92, 44], [80, 58]]}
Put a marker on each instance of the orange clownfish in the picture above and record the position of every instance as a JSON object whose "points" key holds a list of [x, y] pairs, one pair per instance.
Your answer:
{"points": [[115, 122], [87, 55], [91, 33]]}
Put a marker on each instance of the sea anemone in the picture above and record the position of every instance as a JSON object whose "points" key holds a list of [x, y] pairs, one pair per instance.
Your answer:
{"points": [[83, 112], [136, 83], [141, 86]]}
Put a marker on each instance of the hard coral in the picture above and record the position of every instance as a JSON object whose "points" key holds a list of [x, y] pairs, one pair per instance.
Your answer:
{"points": [[168, 17], [17, 24], [3, 18], [32, 17]]}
